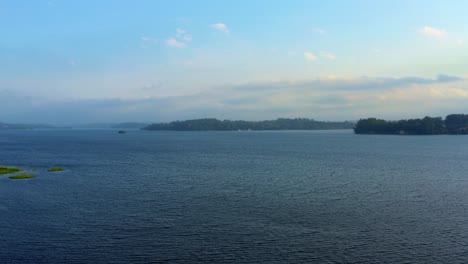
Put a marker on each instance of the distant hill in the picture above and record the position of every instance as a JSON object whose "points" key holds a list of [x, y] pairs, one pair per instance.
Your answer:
{"points": [[24, 126], [213, 124], [125, 125], [130, 125], [453, 124], [94, 125]]}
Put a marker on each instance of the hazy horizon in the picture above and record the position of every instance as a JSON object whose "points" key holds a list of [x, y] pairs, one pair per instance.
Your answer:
{"points": [[157, 61]]}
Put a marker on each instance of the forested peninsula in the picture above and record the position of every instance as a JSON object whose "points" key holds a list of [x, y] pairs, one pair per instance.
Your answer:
{"points": [[212, 124], [452, 124]]}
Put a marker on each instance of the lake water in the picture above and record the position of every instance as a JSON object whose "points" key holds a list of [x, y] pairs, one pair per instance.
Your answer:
{"points": [[233, 197]]}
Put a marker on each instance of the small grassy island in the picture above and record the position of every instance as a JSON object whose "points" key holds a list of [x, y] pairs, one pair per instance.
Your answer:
{"points": [[21, 177], [454, 124], [55, 169], [6, 170]]}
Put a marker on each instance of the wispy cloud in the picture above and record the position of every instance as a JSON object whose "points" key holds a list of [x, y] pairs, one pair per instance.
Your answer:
{"points": [[328, 55], [181, 39], [149, 40], [172, 42], [187, 38], [183, 35], [221, 27], [309, 56], [146, 42], [180, 32], [433, 32]]}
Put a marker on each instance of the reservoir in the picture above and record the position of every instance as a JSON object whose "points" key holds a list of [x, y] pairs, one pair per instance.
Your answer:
{"points": [[233, 197]]}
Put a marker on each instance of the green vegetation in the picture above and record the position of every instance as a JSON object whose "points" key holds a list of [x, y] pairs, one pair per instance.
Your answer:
{"points": [[55, 169], [208, 124], [21, 177], [5, 170], [453, 124]]}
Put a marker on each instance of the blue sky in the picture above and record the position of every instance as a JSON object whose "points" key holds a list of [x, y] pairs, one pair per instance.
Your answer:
{"points": [[97, 61]]}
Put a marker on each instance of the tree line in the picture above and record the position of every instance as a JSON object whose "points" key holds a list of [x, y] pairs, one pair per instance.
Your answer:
{"points": [[207, 124], [452, 124]]}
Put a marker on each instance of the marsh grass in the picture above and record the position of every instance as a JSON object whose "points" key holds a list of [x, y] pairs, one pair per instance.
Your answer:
{"points": [[6, 170], [55, 169], [21, 177]]}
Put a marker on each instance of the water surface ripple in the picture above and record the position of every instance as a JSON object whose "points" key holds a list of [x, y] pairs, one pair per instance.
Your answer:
{"points": [[234, 197]]}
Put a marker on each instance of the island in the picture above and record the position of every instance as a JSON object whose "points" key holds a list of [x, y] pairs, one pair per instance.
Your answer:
{"points": [[21, 177], [452, 124], [55, 169], [15, 176], [7, 170], [213, 124]]}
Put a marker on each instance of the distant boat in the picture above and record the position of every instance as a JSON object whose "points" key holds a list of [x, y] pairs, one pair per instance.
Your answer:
{"points": [[122, 132]]}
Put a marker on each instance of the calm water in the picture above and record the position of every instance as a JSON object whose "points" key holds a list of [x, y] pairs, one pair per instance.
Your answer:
{"points": [[234, 197]]}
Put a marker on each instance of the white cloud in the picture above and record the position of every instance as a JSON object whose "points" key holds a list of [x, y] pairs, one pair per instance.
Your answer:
{"points": [[328, 55], [149, 40], [433, 32], [460, 42], [221, 27], [309, 56], [183, 35], [181, 39], [187, 38], [172, 42], [180, 32]]}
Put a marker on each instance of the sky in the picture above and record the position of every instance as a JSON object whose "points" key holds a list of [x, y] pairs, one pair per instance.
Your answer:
{"points": [[65, 62]]}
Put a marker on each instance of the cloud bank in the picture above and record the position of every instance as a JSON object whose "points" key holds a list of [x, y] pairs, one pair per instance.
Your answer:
{"points": [[433, 32], [322, 99]]}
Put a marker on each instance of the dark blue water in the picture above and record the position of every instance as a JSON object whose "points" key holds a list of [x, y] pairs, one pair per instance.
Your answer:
{"points": [[234, 197]]}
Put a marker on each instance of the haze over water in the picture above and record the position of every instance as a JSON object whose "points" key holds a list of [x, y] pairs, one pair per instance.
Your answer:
{"points": [[233, 197]]}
